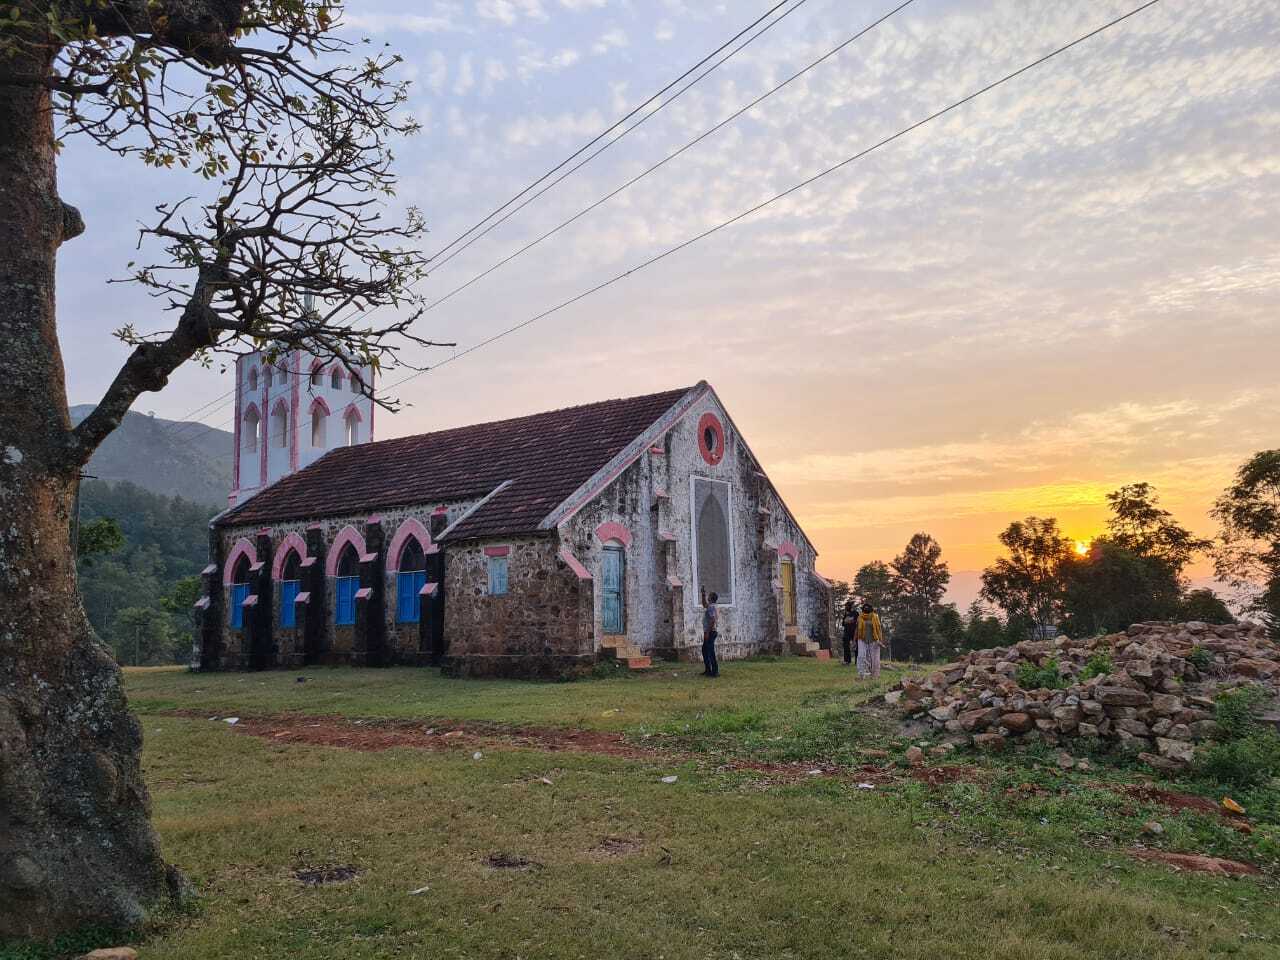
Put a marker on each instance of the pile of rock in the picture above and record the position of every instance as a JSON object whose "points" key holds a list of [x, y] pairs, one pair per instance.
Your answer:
{"points": [[1155, 698]]}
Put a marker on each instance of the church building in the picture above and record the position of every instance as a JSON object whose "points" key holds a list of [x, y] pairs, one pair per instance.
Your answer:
{"points": [[531, 547]]}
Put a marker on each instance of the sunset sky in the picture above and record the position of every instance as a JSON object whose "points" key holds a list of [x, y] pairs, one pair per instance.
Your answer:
{"points": [[1067, 285]]}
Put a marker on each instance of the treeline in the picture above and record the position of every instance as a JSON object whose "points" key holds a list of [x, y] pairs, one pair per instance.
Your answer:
{"points": [[1134, 572], [140, 555]]}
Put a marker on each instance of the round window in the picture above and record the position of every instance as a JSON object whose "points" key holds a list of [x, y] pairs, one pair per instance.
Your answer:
{"points": [[711, 438]]}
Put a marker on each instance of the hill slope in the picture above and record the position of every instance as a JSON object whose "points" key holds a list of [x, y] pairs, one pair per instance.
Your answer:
{"points": [[168, 457]]}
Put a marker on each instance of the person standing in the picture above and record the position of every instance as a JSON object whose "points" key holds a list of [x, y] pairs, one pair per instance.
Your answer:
{"points": [[870, 636], [847, 627], [710, 619]]}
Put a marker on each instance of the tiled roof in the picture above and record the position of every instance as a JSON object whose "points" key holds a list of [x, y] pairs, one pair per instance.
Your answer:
{"points": [[545, 456]]}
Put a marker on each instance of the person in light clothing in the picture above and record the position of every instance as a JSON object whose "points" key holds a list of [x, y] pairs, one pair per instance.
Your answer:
{"points": [[870, 639]]}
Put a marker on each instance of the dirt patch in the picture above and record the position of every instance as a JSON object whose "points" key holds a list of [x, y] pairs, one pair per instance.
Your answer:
{"points": [[939, 776], [373, 735], [1177, 802], [323, 876], [1198, 863], [618, 846], [511, 861]]}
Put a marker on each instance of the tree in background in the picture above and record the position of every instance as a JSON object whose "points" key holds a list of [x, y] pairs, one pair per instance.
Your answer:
{"points": [[101, 536], [873, 584], [142, 635], [1111, 587], [1204, 605], [284, 131], [948, 627], [982, 629], [1028, 584], [1248, 553], [920, 576], [1139, 525]]}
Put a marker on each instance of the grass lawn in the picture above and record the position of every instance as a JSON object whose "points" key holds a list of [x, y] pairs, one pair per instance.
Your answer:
{"points": [[1005, 858]]}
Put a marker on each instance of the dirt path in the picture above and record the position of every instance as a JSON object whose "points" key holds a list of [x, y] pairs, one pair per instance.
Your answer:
{"points": [[383, 734]]}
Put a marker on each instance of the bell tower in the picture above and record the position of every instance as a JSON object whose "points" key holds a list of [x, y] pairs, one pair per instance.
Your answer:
{"points": [[293, 411]]}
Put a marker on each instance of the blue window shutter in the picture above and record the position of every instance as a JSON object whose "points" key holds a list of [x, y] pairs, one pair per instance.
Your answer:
{"points": [[408, 603], [288, 610], [346, 606], [239, 593]]}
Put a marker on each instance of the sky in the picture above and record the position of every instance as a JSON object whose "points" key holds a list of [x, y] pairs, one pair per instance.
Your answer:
{"points": [[1066, 285]]}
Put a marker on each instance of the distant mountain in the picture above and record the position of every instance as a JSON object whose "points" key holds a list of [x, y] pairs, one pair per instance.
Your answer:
{"points": [[168, 457]]}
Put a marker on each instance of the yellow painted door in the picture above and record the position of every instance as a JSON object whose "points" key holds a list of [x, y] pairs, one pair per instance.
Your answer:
{"points": [[789, 592]]}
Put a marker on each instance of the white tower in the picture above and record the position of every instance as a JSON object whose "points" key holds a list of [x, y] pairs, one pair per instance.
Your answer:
{"points": [[293, 412]]}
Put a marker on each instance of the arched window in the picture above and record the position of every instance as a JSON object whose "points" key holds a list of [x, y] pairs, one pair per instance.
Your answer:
{"points": [[253, 378], [335, 378], [352, 423], [410, 581], [356, 383], [290, 583], [249, 440], [317, 376], [712, 539], [613, 590], [280, 426], [319, 421], [346, 585], [268, 374], [239, 592]]}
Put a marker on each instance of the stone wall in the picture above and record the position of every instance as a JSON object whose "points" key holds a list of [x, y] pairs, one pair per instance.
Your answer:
{"points": [[541, 627]]}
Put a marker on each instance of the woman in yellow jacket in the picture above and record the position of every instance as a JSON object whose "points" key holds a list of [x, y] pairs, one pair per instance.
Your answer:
{"points": [[870, 639]]}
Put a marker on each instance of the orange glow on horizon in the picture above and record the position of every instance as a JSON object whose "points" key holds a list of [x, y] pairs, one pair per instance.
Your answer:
{"points": [[1082, 548]]}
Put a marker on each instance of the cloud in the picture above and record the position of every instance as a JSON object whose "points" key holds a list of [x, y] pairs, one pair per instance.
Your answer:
{"points": [[536, 130], [507, 12], [444, 18], [466, 78], [611, 40], [664, 31]]}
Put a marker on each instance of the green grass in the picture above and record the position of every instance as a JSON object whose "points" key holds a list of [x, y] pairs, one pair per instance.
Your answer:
{"points": [[670, 693], [1017, 860]]}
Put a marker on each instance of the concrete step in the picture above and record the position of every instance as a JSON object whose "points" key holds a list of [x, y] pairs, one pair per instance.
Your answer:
{"points": [[638, 663]]}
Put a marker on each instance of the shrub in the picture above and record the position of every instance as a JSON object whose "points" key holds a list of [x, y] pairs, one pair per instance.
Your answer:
{"points": [[1248, 761], [1200, 658], [1237, 711], [1047, 677], [1248, 751], [1099, 665]]}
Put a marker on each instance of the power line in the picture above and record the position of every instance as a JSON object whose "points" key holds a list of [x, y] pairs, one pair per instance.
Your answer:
{"points": [[603, 133], [785, 193], [578, 166], [664, 161]]}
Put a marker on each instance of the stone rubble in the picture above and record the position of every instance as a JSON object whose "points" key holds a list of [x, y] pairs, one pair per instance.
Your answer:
{"points": [[1153, 700]]}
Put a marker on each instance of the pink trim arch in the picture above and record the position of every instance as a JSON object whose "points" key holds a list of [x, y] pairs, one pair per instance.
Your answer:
{"points": [[353, 411], [787, 549], [410, 528], [290, 543], [348, 535], [243, 548], [613, 531], [319, 402]]}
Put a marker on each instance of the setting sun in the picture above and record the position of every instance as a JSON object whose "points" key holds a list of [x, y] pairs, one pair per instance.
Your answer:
{"points": [[1082, 548]]}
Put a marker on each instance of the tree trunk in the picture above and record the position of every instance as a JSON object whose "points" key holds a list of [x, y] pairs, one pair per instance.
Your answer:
{"points": [[76, 845]]}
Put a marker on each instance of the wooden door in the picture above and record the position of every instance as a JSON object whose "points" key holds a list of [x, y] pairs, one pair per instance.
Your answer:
{"points": [[789, 592], [613, 591]]}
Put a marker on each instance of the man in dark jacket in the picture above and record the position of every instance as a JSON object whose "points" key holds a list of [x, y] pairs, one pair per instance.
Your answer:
{"points": [[847, 628], [710, 619]]}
